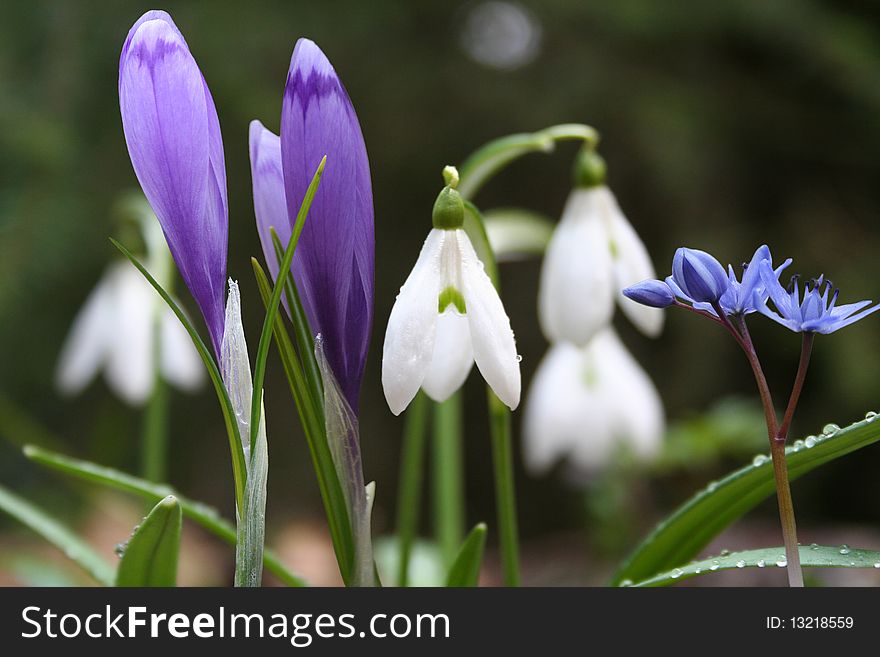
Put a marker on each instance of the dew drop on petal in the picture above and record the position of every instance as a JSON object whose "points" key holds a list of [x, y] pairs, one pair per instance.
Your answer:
{"points": [[714, 566], [759, 460], [675, 574], [810, 442], [830, 429], [870, 415], [798, 445], [844, 549], [782, 562], [740, 564], [761, 563]]}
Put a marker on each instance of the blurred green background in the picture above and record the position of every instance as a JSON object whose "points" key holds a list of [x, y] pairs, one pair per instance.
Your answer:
{"points": [[725, 125]]}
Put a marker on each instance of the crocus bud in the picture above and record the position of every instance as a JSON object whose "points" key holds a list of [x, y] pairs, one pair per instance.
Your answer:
{"points": [[656, 294], [699, 275]]}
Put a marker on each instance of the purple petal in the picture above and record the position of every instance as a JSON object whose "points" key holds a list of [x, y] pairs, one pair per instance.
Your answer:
{"points": [[173, 137], [270, 206], [656, 294], [334, 260], [699, 275]]}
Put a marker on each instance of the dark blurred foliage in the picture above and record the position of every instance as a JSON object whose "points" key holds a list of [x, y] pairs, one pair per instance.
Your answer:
{"points": [[724, 124]]}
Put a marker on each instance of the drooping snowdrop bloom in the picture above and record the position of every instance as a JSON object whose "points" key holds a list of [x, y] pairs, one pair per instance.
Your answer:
{"points": [[117, 330], [586, 403], [594, 253], [173, 137], [814, 312], [447, 316], [334, 261]]}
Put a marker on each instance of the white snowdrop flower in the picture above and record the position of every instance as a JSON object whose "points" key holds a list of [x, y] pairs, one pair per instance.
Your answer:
{"points": [[116, 331], [447, 316], [585, 403], [593, 255]]}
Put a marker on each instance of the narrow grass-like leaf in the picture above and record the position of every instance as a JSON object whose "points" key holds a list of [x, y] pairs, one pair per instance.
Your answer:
{"points": [[150, 556], [465, 570], [206, 516], [305, 337], [517, 233], [313, 426], [275, 301], [680, 537], [487, 160], [813, 556], [239, 467], [73, 547]]}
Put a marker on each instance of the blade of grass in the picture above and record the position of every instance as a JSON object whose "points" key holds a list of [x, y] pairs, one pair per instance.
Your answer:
{"points": [[239, 469], [813, 556], [465, 570], [73, 547], [275, 302], [201, 513], [150, 556], [313, 427]]}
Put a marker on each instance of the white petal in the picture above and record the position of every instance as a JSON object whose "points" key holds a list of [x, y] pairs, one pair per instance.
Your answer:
{"points": [[409, 337], [453, 356], [632, 264], [179, 362], [131, 365], [631, 400], [87, 343], [235, 367], [564, 414], [491, 336], [576, 295]]}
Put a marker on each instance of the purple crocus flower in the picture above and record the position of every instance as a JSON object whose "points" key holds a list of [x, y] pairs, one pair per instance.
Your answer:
{"points": [[333, 265], [817, 311], [173, 137], [740, 297]]}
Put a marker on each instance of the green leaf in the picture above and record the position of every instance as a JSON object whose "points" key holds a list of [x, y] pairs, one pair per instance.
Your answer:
{"points": [[204, 515], [517, 233], [150, 557], [305, 337], [275, 301], [57, 534], [239, 467], [251, 528], [313, 426], [681, 536], [475, 227], [465, 570], [487, 160], [813, 556]]}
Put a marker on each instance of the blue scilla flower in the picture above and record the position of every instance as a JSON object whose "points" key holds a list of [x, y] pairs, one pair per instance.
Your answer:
{"points": [[816, 312], [740, 297], [697, 276]]}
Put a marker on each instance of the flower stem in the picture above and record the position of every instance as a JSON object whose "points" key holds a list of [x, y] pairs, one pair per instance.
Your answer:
{"points": [[448, 480], [412, 460], [505, 494], [777, 449], [154, 442]]}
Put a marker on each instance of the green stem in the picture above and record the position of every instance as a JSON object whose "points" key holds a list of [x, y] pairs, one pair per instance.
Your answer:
{"points": [[448, 480], [412, 461], [505, 493], [777, 448], [154, 444]]}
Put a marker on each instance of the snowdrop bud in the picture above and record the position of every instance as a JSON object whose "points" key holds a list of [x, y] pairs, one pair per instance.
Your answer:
{"points": [[656, 294], [589, 168], [699, 275], [448, 211]]}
